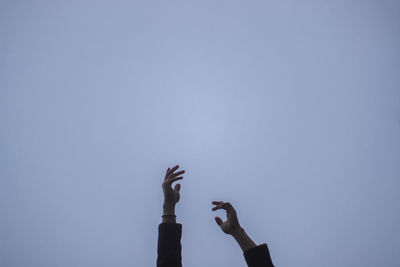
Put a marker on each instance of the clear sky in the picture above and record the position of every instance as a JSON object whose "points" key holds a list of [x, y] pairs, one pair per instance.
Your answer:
{"points": [[288, 109]]}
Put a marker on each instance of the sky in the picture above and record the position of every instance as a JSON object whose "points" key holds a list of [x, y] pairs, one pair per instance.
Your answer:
{"points": [[288, 109]]}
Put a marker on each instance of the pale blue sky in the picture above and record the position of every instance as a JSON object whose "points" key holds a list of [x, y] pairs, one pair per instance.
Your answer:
{"points": [[288, 109]]}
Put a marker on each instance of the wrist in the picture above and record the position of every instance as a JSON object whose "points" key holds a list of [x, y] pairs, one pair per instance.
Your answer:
{"points": [[169, 208], [168, 219], [238, 232], [169, 211]]}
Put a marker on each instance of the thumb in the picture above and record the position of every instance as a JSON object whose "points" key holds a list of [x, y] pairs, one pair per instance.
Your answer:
{"points": [[218, 220], [177, 187]]}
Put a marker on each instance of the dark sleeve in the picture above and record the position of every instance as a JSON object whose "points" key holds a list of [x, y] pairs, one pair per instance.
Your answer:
{"points": [[258, 256], [169, 245]]}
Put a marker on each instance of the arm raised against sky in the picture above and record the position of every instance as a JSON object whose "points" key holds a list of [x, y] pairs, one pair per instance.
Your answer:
{"points": [[169, 248], [256, 256], [171, 195]]}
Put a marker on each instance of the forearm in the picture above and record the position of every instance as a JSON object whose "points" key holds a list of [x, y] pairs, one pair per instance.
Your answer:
{"points": [[169, 209], [169, 232], [243, 240]]}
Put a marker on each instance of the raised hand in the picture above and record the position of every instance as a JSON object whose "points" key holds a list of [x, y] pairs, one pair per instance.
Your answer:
{"points": [[171, 195], [231, 225]]}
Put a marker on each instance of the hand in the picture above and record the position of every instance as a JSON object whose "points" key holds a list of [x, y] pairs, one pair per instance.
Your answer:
{"points": [[171, 196], [231, 225]]}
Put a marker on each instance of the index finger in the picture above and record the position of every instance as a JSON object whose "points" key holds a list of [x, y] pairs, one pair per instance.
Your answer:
{"points": [[224, 205]]}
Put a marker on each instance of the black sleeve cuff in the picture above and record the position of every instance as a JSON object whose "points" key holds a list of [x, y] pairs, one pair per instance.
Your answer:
{"points": [[258, 256]]}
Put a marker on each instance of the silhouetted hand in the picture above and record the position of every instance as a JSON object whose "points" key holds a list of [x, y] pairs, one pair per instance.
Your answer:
{"points": [[231, 225], [171, 196]]}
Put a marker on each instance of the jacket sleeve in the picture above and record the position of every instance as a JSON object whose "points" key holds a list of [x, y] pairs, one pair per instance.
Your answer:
{"points": [[169, 245], [258, 256]]}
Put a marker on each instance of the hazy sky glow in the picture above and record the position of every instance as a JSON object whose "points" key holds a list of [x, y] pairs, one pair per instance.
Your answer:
{"points": [[288, 109]]}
